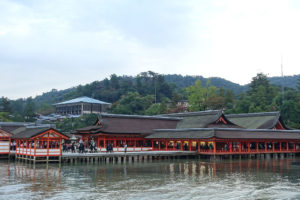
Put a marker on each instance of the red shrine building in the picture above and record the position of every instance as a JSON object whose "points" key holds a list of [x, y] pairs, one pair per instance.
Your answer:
{"points": [[38, 143], [119, 130], [5, 140], [31, 142], [207, 132]]}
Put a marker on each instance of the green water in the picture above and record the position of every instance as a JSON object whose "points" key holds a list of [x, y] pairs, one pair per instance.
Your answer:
{"points": [[169, 179]]}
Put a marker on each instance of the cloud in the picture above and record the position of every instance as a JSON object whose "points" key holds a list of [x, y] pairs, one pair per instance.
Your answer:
{"points": [[59, 44]]}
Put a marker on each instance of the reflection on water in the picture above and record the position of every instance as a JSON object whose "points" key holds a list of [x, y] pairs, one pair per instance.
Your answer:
{"points": [[180, 179]]}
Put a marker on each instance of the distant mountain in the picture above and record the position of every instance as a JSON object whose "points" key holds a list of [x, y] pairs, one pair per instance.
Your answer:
{"points": [[93, 89], [286, 81], [186, 81]]}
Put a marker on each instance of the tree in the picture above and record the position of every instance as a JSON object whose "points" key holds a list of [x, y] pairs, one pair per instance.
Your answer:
{"points": [[261, 94], [29, 110], [5, 105], [133, 103], [201, 98], [46, 109], [298, 83], [156, 109]]}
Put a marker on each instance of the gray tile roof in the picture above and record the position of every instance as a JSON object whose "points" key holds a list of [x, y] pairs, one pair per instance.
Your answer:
{"points": [[224, 133], [201, 119], [82, 100], [263, 120], [26, 132], [130, 124]]}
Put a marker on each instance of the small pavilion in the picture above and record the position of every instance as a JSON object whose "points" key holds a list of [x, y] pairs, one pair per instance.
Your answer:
{"points": [[38, 144]]}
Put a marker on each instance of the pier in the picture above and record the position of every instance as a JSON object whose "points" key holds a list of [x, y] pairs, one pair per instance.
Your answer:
{"points": [[129, 157]]}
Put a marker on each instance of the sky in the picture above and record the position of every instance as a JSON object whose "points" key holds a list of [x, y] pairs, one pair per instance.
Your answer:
{"points": [[58, 44]]}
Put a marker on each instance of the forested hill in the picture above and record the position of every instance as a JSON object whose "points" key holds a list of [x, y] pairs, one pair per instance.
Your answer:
{"points": [[150, 93], [186, 81], [286, 81], [179, 81]]}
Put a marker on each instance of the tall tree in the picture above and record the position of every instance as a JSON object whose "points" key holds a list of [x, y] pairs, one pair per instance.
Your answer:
{"points": [[5, 105], [201, 98], [133, 103], [29, 110], [298, 83], [262, 94]]}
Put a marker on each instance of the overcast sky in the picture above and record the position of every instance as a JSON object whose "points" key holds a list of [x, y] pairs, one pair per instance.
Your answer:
{"points": [[63, 43]]}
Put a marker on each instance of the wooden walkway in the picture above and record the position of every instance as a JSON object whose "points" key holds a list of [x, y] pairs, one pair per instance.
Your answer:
{"points": [[121, 157], [124, 157]]}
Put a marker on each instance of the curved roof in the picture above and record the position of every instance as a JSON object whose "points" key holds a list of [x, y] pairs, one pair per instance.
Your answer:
{"points": [[82, 100], [29, 132], [224, 133], [130, 124], [263, 120], [202, 119], [4, 134]]}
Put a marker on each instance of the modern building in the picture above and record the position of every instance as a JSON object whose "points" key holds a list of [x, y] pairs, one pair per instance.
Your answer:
{"points": [[81, 106]]}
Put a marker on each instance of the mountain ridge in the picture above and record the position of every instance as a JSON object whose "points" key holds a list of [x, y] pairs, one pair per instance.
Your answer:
{"points": [[178, 80]]}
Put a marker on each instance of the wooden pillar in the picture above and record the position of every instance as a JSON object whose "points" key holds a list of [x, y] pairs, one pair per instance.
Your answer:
{"points": [[142, 145], [159, 145], [152, 142], [60, 146], [265, 146], [115, 142], [287, 146], [134, 145], [240, 146], [104, 144], [215, 147], [280, 146], [34, 153], [190, 145], [248, 146], [294, 146], [30, 147], [181, 145], [48, 145], [273, 146], [256, 146], [174, 145], [9, 143], [199, 143], [166, 143], [230, 147]]}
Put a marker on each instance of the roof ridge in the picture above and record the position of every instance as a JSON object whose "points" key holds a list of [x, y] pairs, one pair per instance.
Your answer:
{"points": [[206, 112], [226, 129], [277, 113], [140, 116], [82, 99]]}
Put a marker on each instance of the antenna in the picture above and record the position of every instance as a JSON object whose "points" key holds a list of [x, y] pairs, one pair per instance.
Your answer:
{"points": [[282, 81]]}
